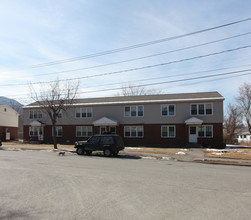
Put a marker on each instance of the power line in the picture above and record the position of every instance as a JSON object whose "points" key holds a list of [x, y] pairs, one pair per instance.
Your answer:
{"points": [[137, 68], [173, 81], [140, 58], [187, 84], [129, 47], [177, 75], [158, 78]]}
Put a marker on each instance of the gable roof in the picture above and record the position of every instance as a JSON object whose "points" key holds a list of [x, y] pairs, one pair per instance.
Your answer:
{"points": [[193, 121], [181, 97], [2, 106], [105, 122]]}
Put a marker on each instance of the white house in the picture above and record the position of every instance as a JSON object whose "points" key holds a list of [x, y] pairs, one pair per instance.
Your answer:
{"points": [[244, 137], [8, 123]]}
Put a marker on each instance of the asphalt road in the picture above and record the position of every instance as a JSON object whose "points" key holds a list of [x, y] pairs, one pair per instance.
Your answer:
{"points": [[43, 185]]}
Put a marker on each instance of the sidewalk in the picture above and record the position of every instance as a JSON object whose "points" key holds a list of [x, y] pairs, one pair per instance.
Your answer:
{"points": [[177, 154]]}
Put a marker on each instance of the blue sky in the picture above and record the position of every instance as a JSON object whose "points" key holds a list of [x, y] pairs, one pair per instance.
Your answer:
{"points": [[37, 32]]}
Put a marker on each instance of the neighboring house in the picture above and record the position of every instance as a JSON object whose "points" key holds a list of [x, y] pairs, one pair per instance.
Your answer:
{"points": [[244, 137], [8, 123], [150, 120]]}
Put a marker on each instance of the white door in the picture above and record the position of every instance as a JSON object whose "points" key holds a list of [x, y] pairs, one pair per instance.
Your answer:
{"points": [[193, 134]]}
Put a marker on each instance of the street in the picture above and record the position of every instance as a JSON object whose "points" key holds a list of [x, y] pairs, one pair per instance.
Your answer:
{"points": [[42, 185]]}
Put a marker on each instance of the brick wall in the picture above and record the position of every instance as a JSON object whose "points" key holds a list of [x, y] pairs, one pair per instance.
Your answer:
{"points": [[12, 130], [152, 135]]}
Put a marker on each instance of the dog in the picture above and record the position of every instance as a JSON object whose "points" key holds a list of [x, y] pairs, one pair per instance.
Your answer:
{"points": [[62, 153]]}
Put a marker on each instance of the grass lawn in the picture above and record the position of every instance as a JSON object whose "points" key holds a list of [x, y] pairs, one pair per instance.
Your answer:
{"points": [[243, 154]]}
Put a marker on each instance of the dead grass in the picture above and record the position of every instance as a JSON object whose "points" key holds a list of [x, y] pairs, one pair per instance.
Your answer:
{"points": [[242, 154], [169, 151]]}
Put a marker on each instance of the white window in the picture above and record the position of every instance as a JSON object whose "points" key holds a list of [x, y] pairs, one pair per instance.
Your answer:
{"points": [[206, 131], [83, 131], [60, 114], [134, 111], [201, 109], [167, 110], [168, 131], [35, 114], [134, 131], [59, 131], [35, 131], [84, 112]]}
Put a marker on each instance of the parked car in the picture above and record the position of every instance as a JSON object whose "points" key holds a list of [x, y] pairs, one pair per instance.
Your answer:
{"points": [[0, 143], [109, 144]]}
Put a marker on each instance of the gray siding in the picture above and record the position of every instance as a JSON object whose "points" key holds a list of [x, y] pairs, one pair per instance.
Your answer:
{"points": [[152, 114]]}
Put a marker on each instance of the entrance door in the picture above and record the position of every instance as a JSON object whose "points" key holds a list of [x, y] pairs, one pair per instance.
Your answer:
{"points": [[193, 134], [103, 130]]}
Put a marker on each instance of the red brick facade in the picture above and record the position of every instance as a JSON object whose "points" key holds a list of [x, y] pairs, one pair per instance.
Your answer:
{"points": [[12, 130], [151, 137]]}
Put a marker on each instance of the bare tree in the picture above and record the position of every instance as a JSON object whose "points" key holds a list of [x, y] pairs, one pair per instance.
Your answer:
{"points": [[136, 90], [53, 99], [244, 102], [232, 121]]}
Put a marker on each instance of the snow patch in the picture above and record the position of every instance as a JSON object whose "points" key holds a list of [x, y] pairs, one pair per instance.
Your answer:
{"points": [[181, 153], [210, 149], [134, 148], [215, 153], [150, 158], [165, 158]]}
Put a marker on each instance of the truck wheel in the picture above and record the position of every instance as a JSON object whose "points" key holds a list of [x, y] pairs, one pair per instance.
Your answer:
{"points": [[107, 152], [80, 151]]}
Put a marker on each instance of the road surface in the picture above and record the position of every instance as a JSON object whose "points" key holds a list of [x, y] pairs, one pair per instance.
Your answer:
{"points": [[43, 185]]}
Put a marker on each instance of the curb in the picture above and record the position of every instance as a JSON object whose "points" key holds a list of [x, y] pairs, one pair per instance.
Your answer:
{"points": [[220, 162]]}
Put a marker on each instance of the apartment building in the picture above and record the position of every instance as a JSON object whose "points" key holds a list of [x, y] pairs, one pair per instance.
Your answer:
{"points": [[151, 120]]}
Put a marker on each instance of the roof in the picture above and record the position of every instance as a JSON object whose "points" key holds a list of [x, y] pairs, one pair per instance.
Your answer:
{"points": [[181, 97], [105, 122], [193, 121]]}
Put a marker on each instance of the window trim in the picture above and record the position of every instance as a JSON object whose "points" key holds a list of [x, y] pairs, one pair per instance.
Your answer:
{"points": [[168, 110], [205, 131], [197, 107], [86, 132], [57, 127], [40, 131], [137, 111], [130, 127], [39, 114], [60, 113], [81, 112], [168, 126]]}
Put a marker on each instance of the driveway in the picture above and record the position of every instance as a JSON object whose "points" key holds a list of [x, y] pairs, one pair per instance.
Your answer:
{"points": [[43, 185]]}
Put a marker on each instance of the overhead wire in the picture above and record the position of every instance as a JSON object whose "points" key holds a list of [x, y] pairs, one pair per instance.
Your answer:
{"points": [[240, 72], [128, 47], [178, 80], [138, 58], [133, 69], [158, 78]]}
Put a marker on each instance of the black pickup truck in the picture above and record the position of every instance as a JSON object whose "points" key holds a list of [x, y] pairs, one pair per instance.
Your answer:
{"points": [[109, 144]]}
